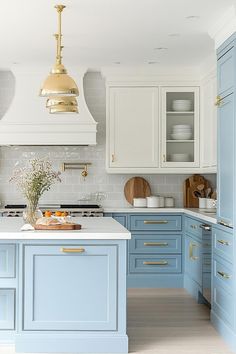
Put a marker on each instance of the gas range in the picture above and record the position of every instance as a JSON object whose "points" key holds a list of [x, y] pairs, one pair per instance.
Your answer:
{"points": [[74, 210]]}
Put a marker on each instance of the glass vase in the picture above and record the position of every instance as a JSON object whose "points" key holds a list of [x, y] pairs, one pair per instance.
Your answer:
{"points": [[32, 213]]}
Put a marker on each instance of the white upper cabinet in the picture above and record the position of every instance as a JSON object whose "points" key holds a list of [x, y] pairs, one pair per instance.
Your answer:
{"points": [[132, 128], [180, 127], [160, 125]]}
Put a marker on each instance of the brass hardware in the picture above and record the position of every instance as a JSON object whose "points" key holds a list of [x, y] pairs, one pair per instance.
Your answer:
{"points": [[156, 263], [164, 158], [155, 222], [191, 247], [112, 158], [224, 275], [194, 226], [156, 244], [219, 100], [222, 222], [72, 250], [59, 83], [77, 166], [223, 242]]}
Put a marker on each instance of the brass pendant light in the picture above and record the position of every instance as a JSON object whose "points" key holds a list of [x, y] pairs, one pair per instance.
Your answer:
{"points": [[62, 105], [59, 86]]}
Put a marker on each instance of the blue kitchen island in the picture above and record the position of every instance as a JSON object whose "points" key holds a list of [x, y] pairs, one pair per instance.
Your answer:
{"points": [[64, 291]]}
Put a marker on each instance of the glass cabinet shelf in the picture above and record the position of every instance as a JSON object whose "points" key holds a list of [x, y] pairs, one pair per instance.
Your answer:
{"points": [[178, 112], [179, 141]]}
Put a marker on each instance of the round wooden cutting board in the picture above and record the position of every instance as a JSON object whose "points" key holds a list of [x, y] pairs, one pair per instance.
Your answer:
{"points": [[136, 187]]}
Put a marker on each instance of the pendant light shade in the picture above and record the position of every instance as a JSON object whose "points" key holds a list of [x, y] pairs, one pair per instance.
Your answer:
{"points": [[59, 83], [62, 105]]}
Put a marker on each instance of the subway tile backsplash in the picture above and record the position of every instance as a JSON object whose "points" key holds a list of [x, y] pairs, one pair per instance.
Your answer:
{"points": [[73, 186]]}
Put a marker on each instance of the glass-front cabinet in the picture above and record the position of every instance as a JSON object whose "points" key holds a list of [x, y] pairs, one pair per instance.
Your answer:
{"points": [[180, 127]]}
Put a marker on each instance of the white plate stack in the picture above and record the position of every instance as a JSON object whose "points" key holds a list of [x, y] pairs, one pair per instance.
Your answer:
{"points": [[181, 132], [181, 105]]}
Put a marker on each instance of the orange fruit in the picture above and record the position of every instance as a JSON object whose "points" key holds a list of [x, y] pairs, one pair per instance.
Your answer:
{"points": [[58, 213], [48, 214], [64, 213]]}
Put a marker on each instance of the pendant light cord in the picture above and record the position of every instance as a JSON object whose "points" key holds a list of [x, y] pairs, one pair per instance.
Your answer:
{"points": [[58, 36]]}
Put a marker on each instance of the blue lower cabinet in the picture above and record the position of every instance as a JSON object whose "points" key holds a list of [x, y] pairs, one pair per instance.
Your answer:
{"points": [[155, 243], [155, 264], [7, 306], [156, 222], [70, 288], [7, 261], [121, 218], [223, 304]]}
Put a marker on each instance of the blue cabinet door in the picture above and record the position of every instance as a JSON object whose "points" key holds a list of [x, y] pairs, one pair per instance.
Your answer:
{"points": [[225, 73], [70, 287], [226, 157], [7, 306], [193, 259], [121, 218]]}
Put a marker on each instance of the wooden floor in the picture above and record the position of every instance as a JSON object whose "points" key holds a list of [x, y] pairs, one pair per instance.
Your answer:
{"points": [[167, 321]]}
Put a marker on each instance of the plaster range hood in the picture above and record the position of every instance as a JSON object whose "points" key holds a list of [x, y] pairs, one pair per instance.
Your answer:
{"points": [[28, 122]]}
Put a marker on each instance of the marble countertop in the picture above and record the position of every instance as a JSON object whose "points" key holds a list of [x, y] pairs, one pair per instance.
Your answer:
{"points": [[92, 229], [206, 215]]}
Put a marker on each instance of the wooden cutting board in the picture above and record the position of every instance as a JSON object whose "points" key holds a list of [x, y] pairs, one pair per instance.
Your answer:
{"points": [[58, 227], [190, 186], [136, 187]]}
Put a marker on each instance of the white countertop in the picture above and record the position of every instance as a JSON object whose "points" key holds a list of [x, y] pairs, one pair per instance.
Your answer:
{"points": [[204, 214], [92, 229]]}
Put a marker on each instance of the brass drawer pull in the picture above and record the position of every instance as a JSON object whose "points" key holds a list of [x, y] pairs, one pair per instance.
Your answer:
{"points": [[223, 242], [218, 100], [191, 256], [155, 222], [72, 250], [156, 263], [224, 275], [164, 244]]}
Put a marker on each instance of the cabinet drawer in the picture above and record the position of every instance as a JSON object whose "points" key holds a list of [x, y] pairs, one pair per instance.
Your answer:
{"points": [[192, 227], [155, 243], [7, 305], [155, 264], [7, 261], [223, 304], [156, 222], [223, 244], [223, 274]]}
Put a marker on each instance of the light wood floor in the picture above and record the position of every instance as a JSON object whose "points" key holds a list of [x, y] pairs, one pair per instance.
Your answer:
{"points": [[169, 321]]}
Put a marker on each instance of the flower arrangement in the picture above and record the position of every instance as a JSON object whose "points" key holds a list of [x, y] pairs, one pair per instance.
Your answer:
{"points": [[33, 180]]}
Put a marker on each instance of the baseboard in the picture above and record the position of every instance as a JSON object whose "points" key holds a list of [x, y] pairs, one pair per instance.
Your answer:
{"points": [[66, 343], [226, 332], [155, 281]]}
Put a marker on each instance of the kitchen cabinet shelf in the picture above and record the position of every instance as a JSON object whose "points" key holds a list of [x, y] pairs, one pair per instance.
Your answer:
{"points": [[180, 141], [182, 112]]}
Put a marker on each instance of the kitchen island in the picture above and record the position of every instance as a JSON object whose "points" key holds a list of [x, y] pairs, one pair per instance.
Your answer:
{"points": [[64, 291]]}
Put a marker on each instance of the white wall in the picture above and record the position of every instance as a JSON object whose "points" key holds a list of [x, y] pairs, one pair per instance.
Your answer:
{"points": [[73, 186]]}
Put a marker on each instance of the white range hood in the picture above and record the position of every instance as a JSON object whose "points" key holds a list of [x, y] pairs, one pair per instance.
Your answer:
{"points": [[28, 122]]}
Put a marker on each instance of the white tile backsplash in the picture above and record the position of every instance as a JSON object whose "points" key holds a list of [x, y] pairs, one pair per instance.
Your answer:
{"points": [[73, 186]]}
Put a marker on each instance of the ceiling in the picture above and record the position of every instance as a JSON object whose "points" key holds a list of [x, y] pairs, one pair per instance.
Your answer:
{"points": [[109, 32]]}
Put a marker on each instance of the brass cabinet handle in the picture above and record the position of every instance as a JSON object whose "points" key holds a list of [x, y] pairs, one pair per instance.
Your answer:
{"points": [[113, 158], [222, 222], [164, 244], [156, 263], [155, 222], [223, 242], [72, 250], [224, 275], [219, 100], [191, 247]]}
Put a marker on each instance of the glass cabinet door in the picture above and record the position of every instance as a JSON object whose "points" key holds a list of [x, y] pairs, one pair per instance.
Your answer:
{"points": [[180, 126]]}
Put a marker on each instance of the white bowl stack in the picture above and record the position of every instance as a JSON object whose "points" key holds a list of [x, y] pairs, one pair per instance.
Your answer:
{"points": [[181, 132], [181, 105]]}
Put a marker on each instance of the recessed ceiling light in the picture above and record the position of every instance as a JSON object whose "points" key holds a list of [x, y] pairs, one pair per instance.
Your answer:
{"points": [[152, 62], [174, 35], [161, 48], [192, 17]]}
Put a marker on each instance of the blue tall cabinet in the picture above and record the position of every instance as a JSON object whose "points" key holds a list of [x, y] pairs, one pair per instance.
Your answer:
{"points": [[223, 313]]}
